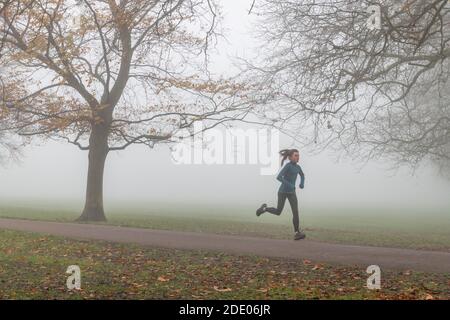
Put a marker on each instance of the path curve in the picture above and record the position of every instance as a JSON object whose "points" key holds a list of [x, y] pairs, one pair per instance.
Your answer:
{"points": [[388, 258]]}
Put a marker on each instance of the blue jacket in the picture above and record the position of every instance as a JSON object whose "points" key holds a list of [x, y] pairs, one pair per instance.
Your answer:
{"points": [[288, 175]]}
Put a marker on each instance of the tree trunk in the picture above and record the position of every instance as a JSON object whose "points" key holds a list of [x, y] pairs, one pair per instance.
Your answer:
{"points": [[98, 150]]}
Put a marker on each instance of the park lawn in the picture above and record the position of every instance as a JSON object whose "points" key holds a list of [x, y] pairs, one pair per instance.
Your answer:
{"points": [[33, 267], [386, 228]]}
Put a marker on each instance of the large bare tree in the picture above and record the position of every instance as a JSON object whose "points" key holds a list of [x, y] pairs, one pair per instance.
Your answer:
{"points": [[106, 74], [373, 92], [9, 148]]}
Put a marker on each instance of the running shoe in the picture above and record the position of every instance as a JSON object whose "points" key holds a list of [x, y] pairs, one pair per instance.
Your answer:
{"points": [[299, 235], [261, 210]]}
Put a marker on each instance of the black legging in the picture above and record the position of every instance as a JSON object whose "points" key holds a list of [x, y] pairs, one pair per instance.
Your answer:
{"points": [[292, 197]]}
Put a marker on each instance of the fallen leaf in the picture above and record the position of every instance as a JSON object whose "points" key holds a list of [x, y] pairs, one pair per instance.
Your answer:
{"points": [[138, 285], [162, 279], [222, 290], [317, 267]]}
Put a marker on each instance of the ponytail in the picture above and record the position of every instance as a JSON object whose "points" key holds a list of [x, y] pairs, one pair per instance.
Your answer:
{"points": [[285, 153]]}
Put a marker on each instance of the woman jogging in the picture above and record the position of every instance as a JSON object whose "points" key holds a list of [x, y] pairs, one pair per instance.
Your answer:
{"points": [[287, 177]]}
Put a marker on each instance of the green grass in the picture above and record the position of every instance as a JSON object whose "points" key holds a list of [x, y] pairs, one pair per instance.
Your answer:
{"points": [[417, 229], [33, 267]]}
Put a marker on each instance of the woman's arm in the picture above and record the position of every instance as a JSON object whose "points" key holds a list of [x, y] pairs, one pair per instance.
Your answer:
{"points": [[281, 178], [302, 178]]}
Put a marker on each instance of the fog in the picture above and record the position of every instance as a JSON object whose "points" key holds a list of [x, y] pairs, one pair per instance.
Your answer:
{"points": [[56, 172]]}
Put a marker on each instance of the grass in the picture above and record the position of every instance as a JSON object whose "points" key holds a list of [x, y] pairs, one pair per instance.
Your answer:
{"points": [[429, 230], [33, 267]]}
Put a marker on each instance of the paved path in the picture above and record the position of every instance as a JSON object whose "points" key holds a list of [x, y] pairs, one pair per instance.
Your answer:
{"points": [[389, 258]]}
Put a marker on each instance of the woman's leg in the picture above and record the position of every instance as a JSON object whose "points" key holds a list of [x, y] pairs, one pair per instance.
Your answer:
{"points": [[281, 200], [294, 206]]}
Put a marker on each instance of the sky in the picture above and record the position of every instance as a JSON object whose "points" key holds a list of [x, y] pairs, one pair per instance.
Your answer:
{"points": [[56, 171]]}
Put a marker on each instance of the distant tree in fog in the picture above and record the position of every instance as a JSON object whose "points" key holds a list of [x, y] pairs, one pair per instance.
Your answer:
{"points": [[372, 93]]}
